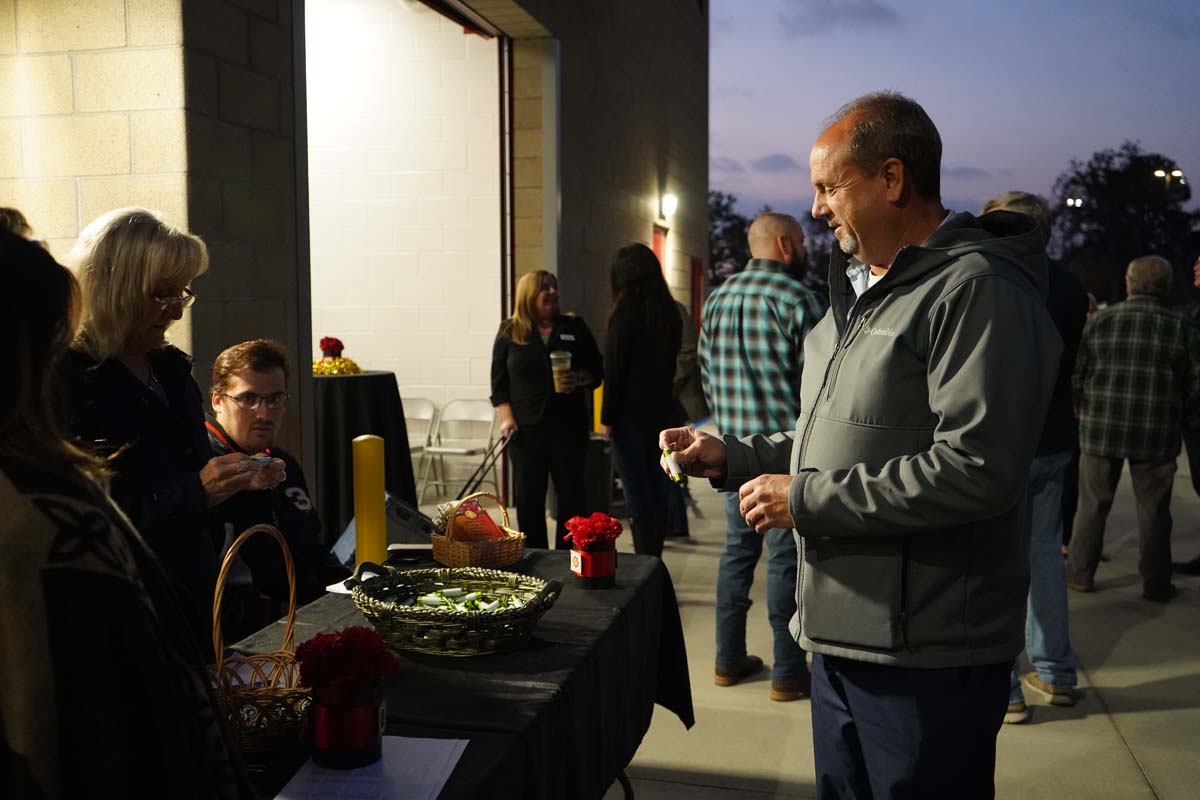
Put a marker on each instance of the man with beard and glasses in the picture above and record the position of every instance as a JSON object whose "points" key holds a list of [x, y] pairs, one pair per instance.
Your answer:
{"points": [[752, 356], [925, 388]]}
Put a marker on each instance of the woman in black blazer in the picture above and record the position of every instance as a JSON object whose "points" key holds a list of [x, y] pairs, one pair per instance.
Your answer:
{"points": [[644, 333], [551, 426]]}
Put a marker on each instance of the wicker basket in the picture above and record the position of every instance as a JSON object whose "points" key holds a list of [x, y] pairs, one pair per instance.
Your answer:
{"points": [[489, 553], [264, 705], [447, 632]]}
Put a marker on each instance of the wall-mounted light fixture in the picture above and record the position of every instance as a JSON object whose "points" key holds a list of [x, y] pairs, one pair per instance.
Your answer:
{"points": [[669, 203]]}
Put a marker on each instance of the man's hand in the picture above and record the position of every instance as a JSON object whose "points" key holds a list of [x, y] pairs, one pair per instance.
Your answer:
{"points": [[269, 475], [697, 453], [764, 502], [224, 476]]}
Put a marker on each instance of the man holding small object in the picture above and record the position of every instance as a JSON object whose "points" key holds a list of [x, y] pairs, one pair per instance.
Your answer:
{"points": [[249, 399], [905, 474]]}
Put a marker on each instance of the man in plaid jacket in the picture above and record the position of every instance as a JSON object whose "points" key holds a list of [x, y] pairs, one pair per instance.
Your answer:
{"points": [[1137, 386], [752, 356]]}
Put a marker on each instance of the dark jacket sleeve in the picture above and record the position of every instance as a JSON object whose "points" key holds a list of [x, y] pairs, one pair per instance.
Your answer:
{"points": [[589, 353], [500, 377], [616, 355]]}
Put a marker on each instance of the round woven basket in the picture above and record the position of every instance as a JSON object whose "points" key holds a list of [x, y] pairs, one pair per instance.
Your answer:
{"points": [[440, 631], [264, 704]]}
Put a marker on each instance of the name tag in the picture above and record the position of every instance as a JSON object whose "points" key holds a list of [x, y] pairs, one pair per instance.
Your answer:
{"points": [[567, 337]]}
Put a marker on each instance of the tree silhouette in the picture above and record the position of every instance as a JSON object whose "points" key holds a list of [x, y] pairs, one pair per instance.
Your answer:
{"points": [[727, 246], [1114, 208]]}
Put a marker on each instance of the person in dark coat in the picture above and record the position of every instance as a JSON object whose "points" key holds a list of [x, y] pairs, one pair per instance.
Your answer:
{"points": [[1047, 629], [131, 397], [104, 691], [642, 345], [249, 398], [549, 420]]}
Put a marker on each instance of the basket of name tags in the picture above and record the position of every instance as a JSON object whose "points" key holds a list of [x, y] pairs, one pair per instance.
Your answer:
{"points": [[467, 536], [464, 611]]}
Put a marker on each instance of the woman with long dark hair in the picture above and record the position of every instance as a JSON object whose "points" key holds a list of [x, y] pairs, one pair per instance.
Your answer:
{"points": [[644, 333], [105, 693]]}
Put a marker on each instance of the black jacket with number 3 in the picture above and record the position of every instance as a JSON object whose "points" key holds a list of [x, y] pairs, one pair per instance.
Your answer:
{"points": [[289, 508]]}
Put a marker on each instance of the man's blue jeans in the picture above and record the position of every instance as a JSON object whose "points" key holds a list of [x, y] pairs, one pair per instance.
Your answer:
{"points": [[735, 575], [1047, 637]]}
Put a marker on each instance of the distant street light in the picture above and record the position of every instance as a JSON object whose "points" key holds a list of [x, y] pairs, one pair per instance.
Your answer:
{"points": [[1168, 176], [1075, 202]]}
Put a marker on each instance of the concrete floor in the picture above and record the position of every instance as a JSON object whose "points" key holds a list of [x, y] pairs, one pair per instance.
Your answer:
{"points": [[1133, 735]]}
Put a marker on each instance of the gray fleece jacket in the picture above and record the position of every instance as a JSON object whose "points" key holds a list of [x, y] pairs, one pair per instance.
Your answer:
{"points": [[922, 403]]}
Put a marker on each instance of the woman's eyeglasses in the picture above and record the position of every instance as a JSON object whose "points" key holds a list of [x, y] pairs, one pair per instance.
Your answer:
{"points": [[250, 401], [177, 301]]}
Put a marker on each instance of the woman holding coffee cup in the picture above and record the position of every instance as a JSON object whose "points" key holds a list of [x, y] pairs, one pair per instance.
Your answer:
{"points": [[543, 364]]}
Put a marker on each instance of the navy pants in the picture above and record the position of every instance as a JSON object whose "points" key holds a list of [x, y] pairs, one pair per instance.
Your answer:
{"points": [[891, 732]]}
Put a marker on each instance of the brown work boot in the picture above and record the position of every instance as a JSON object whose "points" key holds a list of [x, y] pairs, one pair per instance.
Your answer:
{"points": [[729, 674], [1048, 692], [1081, 585], [786, 690]]}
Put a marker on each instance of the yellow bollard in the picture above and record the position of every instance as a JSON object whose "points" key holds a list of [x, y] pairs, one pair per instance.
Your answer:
{"points": [[370, 527], [597, 405]]}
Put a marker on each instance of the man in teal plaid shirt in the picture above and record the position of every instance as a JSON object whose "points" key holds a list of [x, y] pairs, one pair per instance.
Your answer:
{"points": [[752, 356], [1137, 386]]}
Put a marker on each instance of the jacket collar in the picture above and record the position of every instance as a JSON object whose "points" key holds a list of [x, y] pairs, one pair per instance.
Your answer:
{"points": [[220, 439]]}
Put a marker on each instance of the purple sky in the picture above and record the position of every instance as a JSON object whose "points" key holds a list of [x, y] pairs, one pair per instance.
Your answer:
{"points": [[1017, 89]]}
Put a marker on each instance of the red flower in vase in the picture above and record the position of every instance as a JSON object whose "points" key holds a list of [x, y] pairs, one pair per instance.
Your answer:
{"points": [[355, 656], [588, 532], [331, 347]]}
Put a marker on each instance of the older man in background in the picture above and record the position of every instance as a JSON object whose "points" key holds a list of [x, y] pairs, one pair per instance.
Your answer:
{"points": [[1137, 387], [1047, 632]]}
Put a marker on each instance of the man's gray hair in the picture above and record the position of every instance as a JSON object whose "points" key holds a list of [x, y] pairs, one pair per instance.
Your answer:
{"points": [[890, 125], [1025, 203], [1149, 275]]}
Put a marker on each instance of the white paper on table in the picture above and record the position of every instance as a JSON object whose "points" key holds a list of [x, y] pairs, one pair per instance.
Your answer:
{"points": [[411, 769]]}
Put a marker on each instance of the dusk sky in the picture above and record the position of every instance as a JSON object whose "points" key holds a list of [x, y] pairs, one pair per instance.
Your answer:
{"points": [[1017, 89]]}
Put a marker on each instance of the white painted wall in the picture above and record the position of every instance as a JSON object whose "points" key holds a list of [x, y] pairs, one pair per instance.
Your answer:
{"points": [[404, 192]]}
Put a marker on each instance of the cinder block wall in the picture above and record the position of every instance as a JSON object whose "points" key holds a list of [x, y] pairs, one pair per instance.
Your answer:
{"points": [[91, 114], [403, 115], [239, 124], [633, 121]]}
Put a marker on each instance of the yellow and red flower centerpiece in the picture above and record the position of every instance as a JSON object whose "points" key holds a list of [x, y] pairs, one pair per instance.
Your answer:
{"points": [[593, 549], [347, 716], [331, 361]]}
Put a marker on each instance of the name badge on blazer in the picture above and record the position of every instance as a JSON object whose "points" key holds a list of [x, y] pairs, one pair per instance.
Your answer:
{"points": [[566, 337]]}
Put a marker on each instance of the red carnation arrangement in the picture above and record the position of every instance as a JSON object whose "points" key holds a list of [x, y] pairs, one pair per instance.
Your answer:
{"points": [[331, 347], [587, 532], [353, 657]]}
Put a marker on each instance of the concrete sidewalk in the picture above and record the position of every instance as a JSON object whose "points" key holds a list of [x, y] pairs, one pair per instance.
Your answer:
{"points": [[1134, 734]]}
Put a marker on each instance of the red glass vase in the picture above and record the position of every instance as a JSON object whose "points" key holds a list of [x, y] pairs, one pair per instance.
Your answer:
{"points": [[596, 567], [346, 724]]}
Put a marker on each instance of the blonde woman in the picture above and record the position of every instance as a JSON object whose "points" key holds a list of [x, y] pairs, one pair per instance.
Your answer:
{"points": [[551, 424], [131, 396], [105, 693]]}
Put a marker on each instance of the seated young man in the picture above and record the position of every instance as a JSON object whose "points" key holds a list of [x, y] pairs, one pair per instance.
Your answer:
{"points": [[249, 398]]}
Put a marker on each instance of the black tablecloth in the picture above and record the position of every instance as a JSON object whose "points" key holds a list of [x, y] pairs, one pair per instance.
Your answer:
{"points": [[348, 406], [562, 715]]}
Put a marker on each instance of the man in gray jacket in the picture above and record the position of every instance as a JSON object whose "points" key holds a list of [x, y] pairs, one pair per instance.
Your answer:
{"points": [[924, 393]]}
